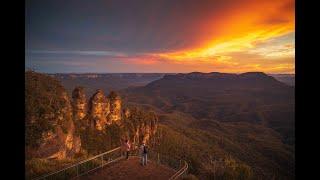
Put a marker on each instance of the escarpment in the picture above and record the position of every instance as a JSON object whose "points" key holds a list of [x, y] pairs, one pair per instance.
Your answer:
{"points": [[50, 129], [58, 126]]}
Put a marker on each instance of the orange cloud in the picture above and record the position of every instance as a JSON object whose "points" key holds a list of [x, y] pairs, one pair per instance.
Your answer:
{"points": [[242, 30]]}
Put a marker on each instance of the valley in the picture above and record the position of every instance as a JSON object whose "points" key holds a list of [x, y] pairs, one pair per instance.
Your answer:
{"points": [[227, 126]]}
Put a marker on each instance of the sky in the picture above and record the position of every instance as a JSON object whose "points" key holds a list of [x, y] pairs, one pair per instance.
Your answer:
{"points": [[161, 36]]}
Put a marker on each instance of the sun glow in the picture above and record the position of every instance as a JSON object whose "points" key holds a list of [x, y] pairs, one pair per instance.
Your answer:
{"points": [[243, 34]]}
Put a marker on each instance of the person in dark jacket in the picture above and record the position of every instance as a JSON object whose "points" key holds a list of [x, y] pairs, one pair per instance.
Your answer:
{"points": [[143, 153]]}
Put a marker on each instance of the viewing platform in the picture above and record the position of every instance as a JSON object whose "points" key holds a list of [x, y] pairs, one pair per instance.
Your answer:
{"points": [[131, 169], [113, 165]]}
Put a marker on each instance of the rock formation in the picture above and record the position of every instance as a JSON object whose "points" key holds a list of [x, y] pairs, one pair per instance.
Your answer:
{"points": [[107, 108], [50, 130], [104, 110], [62, 142], [140, 124], [79, 103], [97, 110], [52, 120], [115, 108], [126, 112]]}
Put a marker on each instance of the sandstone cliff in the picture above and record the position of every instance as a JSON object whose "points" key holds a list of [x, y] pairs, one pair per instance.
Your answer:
{"points": [[79, 103], [54, 123], [50, 130], [140, 125], [115, 108], [97, 110]]}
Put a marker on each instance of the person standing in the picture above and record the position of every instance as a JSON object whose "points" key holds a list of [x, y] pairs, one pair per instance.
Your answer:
{"points": [[144, 153], [123, 148], [127, 148]]}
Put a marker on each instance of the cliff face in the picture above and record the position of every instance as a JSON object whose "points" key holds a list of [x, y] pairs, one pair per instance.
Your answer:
{"points": [[98, 104], [79, 103], [104, 110], [54, 123], [58, 144], [115, 108], [50, 130], [107, 114], [141, 125]]}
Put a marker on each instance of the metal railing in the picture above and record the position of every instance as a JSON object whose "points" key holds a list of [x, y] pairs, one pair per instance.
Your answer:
{"points": [[182, 172], [85, 166], [99, 161], [178, 165]]}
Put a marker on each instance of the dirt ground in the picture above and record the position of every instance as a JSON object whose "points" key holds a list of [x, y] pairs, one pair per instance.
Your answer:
{"points": [[131, 169]]}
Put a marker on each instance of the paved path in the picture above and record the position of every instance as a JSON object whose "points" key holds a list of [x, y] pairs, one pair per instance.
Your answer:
{"points": [[132, 170]]}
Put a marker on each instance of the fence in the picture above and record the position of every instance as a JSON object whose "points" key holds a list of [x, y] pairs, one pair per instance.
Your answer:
{"points": [[180, 166], [85, 166], [180, 173], [98, 161]]}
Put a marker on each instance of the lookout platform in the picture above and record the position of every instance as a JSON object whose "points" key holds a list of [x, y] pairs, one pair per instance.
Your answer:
{"points": [[113, 165], [131, 169]]}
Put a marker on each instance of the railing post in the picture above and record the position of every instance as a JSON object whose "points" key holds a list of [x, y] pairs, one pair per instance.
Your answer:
{"points": [[102, 161], [77, 170], [158, 158]]}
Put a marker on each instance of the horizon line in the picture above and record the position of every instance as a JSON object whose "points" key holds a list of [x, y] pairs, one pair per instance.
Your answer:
{"points": [[156, 72]]}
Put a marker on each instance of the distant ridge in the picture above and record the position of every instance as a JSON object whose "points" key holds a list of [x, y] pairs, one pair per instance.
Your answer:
{"points": [[219, 74], [217, 80]]}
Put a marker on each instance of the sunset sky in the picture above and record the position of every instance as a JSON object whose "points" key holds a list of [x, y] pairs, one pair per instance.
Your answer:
{"points": [[107, 36]]}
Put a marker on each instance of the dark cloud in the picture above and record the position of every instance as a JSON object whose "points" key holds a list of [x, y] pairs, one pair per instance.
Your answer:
{"points": [[149, 25]]}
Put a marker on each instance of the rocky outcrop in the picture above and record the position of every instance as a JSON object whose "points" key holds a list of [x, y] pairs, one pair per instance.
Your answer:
{"points": [[115, 108], [50, 130], [58, 144], [97, 109], [62, 142], [140, 124], [79, 103], [52, 119], [104, 110], [126, 112]]}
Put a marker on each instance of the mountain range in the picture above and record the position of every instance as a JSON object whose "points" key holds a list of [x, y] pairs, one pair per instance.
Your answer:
{"points": [[117, 81]]}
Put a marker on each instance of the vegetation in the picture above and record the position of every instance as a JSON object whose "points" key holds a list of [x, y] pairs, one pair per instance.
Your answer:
{"points": [[36, 167], [95, 142], [215, 118], [43, 102], [224, 150], [237, 134], [139, 120]]}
